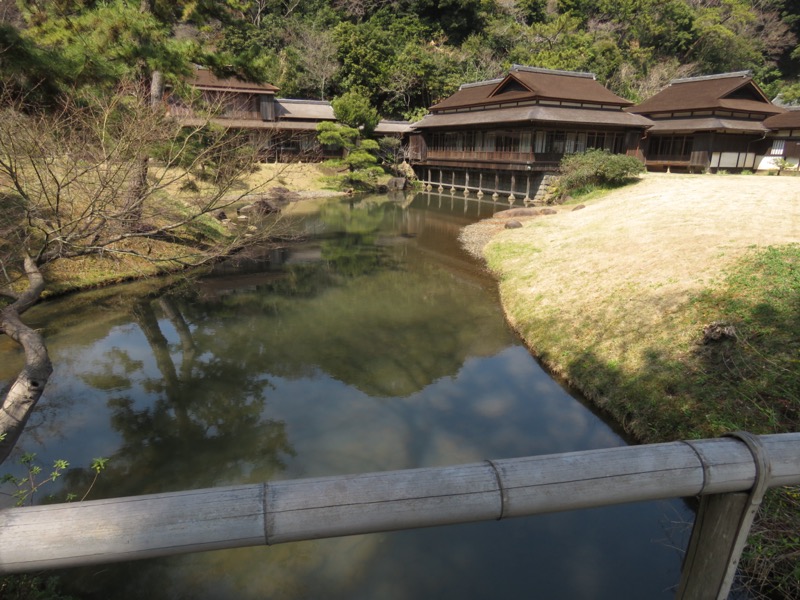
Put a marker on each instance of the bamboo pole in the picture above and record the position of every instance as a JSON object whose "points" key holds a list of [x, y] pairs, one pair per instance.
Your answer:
{"points": [[94, 532]]}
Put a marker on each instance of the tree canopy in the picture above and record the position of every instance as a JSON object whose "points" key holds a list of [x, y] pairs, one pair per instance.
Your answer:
{"points": [[404, 55]]}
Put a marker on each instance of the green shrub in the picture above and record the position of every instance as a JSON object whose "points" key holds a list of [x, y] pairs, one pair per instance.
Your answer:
{"points": [[596, 168]]}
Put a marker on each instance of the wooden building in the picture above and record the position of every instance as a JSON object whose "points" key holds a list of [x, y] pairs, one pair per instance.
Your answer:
{"points": [[707, 123], [784, 138], [283, 128], [506, 135]]}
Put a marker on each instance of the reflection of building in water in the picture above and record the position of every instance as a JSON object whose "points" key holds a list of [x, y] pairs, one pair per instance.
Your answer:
{"points": [[260, 267]]}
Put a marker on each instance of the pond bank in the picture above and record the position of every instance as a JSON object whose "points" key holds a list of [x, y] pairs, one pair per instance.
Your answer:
{"points": [[616, 297]]}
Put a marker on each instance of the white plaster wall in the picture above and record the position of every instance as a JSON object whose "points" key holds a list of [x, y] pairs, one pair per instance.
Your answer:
{"points": [[767, 163]]}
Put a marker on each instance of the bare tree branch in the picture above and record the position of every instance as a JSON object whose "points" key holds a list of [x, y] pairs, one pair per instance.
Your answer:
{"points": [[72, 184], [27, 388]]}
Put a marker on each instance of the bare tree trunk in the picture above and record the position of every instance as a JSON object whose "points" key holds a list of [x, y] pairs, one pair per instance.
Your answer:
{"points": [[156, 88], [27, 388], [139, 186], [138, 190], [148, 323]]}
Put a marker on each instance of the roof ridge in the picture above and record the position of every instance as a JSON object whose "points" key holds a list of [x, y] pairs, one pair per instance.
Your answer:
{"points": [[464, 86], [732, 74], [527, 69]]}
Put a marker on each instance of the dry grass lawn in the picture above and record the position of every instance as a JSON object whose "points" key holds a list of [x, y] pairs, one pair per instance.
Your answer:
{"points": [[644, 249], [297, 177], [635, 256]]}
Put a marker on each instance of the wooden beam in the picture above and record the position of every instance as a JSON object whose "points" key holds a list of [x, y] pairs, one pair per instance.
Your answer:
{"points": [[118, 529]]}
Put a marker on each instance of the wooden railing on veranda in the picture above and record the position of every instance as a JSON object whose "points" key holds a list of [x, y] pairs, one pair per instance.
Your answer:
{"points": [[730, 475]]}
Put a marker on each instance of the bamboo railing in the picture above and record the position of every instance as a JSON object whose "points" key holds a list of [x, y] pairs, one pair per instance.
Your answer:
{"points": [[118, 529]]}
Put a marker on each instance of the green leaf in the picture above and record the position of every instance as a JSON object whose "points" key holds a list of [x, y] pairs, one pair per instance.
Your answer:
{"points": [[98, 464]]}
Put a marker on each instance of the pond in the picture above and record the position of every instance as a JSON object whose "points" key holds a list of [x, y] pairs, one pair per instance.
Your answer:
{"points": [[379, 344]]}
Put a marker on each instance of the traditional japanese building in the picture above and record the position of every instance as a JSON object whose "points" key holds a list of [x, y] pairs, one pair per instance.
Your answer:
{"points": [[281, 127], [707, 123], [506, 135], [784, 138], [284, 128]]}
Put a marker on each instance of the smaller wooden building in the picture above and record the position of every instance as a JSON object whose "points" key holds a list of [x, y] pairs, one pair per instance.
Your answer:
{"points": [[283, 128], [505, 135], [784, 138], [707, 123]]}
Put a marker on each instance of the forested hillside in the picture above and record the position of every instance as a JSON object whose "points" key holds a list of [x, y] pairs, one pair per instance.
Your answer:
{"points": [[403, 54]]}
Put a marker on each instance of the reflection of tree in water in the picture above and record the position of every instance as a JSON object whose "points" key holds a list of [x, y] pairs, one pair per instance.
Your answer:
{"points": [[200, 429], [197, 419], [354, 252], [388, 334]]}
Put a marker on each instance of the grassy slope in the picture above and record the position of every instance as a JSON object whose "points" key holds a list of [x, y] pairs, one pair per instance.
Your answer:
{"points": [[616, 297], [75, 274]]}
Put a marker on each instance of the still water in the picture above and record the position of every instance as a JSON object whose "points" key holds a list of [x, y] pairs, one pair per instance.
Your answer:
{"points": [[377, 345]]}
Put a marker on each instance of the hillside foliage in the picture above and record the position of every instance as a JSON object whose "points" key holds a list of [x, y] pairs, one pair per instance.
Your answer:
{"points": [[403, 55]]}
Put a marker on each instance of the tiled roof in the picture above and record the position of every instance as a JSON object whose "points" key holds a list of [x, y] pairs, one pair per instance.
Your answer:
{"points": [[472, 94], [728, 125], [538, 113], [387, 127], [529, 83], [788, 120], [290, 109], [204, 79], [729, 91]]}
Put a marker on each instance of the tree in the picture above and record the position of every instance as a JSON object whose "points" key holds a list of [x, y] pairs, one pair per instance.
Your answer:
{"points": [[365, 52], [532, 11], [65, 181], [358, 163], [392, 154], [782, 164], [26, 69], [102, 43], [354, 110], [318, 55]]}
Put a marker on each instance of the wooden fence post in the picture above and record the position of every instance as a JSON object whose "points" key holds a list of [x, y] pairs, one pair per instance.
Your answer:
{"points": [[720, 532]]}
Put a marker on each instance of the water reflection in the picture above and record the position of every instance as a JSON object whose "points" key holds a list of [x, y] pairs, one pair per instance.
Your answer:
{"points": [[379, 345]]}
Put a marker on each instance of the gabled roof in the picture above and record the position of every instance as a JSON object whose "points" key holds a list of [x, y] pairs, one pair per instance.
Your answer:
{"points": [[524, 84], [727, 91], [204, 79], [469, 94]]}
